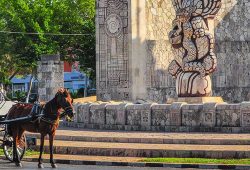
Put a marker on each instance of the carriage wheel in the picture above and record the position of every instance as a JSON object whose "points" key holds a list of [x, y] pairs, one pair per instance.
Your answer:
{"points": [[8, 147]]}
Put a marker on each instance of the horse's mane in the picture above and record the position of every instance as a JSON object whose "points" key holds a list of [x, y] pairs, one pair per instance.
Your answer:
{"points": [[63, 91]]}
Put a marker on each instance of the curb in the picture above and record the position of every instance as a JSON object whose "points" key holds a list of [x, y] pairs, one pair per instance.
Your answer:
{"points": [[141, 164]]}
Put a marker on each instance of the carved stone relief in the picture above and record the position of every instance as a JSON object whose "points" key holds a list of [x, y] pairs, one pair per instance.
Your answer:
{"points": [[228, 115], [112, 50], [192, 40], [161, 115]]}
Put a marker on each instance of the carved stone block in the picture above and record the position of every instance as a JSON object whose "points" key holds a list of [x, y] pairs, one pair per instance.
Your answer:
{"points": [[176, 109], [161, 115], [116, 114], [97, 113], [83, 112], [192, 115], [228, 115], [199, 115], [209, 112], [138, 114], [245, 114], [75, 106]]}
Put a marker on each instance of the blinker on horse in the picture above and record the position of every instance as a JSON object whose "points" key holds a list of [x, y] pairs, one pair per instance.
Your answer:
{"points": [[45, 122]]}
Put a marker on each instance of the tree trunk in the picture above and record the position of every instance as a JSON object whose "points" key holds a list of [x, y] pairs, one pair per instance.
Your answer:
{"points": [[13, 75], [1, 93], [30, 87]]}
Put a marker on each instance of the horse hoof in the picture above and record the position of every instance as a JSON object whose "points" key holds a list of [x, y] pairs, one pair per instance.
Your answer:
{"points": [[53, 165], [40, 166], [19, 165]]}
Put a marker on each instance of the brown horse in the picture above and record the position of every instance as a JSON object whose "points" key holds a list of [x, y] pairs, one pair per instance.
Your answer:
{"points": [[45, 125]]}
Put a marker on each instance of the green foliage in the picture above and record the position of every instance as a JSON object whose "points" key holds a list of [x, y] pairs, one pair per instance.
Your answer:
{"points": [[80, 92], [77, 94], [45, 16], [19, 95], [9, 95], [74, 95]]}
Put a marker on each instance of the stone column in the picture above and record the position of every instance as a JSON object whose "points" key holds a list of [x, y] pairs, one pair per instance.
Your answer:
{"points": [[50, 76], [121, 49]]}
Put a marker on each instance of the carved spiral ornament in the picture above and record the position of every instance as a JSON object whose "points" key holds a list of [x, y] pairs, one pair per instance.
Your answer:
{"points": [[113, 25]]}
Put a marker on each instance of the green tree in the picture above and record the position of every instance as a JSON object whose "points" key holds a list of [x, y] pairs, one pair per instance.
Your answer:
{"points": [[22, 50]]}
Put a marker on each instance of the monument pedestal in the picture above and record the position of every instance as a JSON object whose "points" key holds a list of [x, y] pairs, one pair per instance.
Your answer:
{"points": [[196, 100]]}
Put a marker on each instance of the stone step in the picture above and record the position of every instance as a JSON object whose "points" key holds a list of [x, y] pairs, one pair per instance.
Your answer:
{"points": [[150, 137], [88, 158], [148, 150]]}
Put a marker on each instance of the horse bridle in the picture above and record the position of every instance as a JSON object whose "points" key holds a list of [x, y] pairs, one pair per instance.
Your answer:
{"points": [[53, 117]]}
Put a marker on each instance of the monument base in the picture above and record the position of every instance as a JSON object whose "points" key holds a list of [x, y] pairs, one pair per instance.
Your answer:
{"points": [[196, 100]]}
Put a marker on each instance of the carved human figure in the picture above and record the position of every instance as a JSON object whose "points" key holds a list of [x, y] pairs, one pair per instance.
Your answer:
{"points": [[192, 40]]}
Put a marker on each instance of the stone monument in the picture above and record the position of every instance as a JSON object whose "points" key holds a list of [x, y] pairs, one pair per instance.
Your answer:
{"points": [[50, 76], [134, 59], [192, 39], [134, 50]]}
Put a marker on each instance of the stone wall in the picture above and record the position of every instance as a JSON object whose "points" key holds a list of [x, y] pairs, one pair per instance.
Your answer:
{"points": [[159, 16], [232, 33], [123, 70], [208, 117], [50, 76]]}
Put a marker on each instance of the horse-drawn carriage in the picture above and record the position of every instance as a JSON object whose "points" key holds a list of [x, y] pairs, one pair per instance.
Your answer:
{"points": [[38, 118], [6, 140]]}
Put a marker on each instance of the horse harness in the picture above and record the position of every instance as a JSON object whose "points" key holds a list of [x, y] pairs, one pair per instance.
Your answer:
{"points": [[39, 115]]}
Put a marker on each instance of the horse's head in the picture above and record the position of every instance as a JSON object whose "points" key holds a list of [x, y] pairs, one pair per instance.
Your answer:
{"points": [[65, 101]]}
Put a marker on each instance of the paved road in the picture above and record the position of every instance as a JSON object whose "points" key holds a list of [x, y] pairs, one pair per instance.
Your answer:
{"points": [[33, 165]]}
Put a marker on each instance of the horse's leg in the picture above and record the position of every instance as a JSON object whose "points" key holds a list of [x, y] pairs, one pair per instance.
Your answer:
{"points": [[19, 138], [51, 140], [16, 158], [40, 161]]}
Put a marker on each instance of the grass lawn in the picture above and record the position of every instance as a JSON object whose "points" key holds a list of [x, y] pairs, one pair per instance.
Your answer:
{"points": [[27, 153], [198, 161], [30, 152]]}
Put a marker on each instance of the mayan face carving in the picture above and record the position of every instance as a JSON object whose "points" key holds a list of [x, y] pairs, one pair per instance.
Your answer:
{"points": [[193, 43]]}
